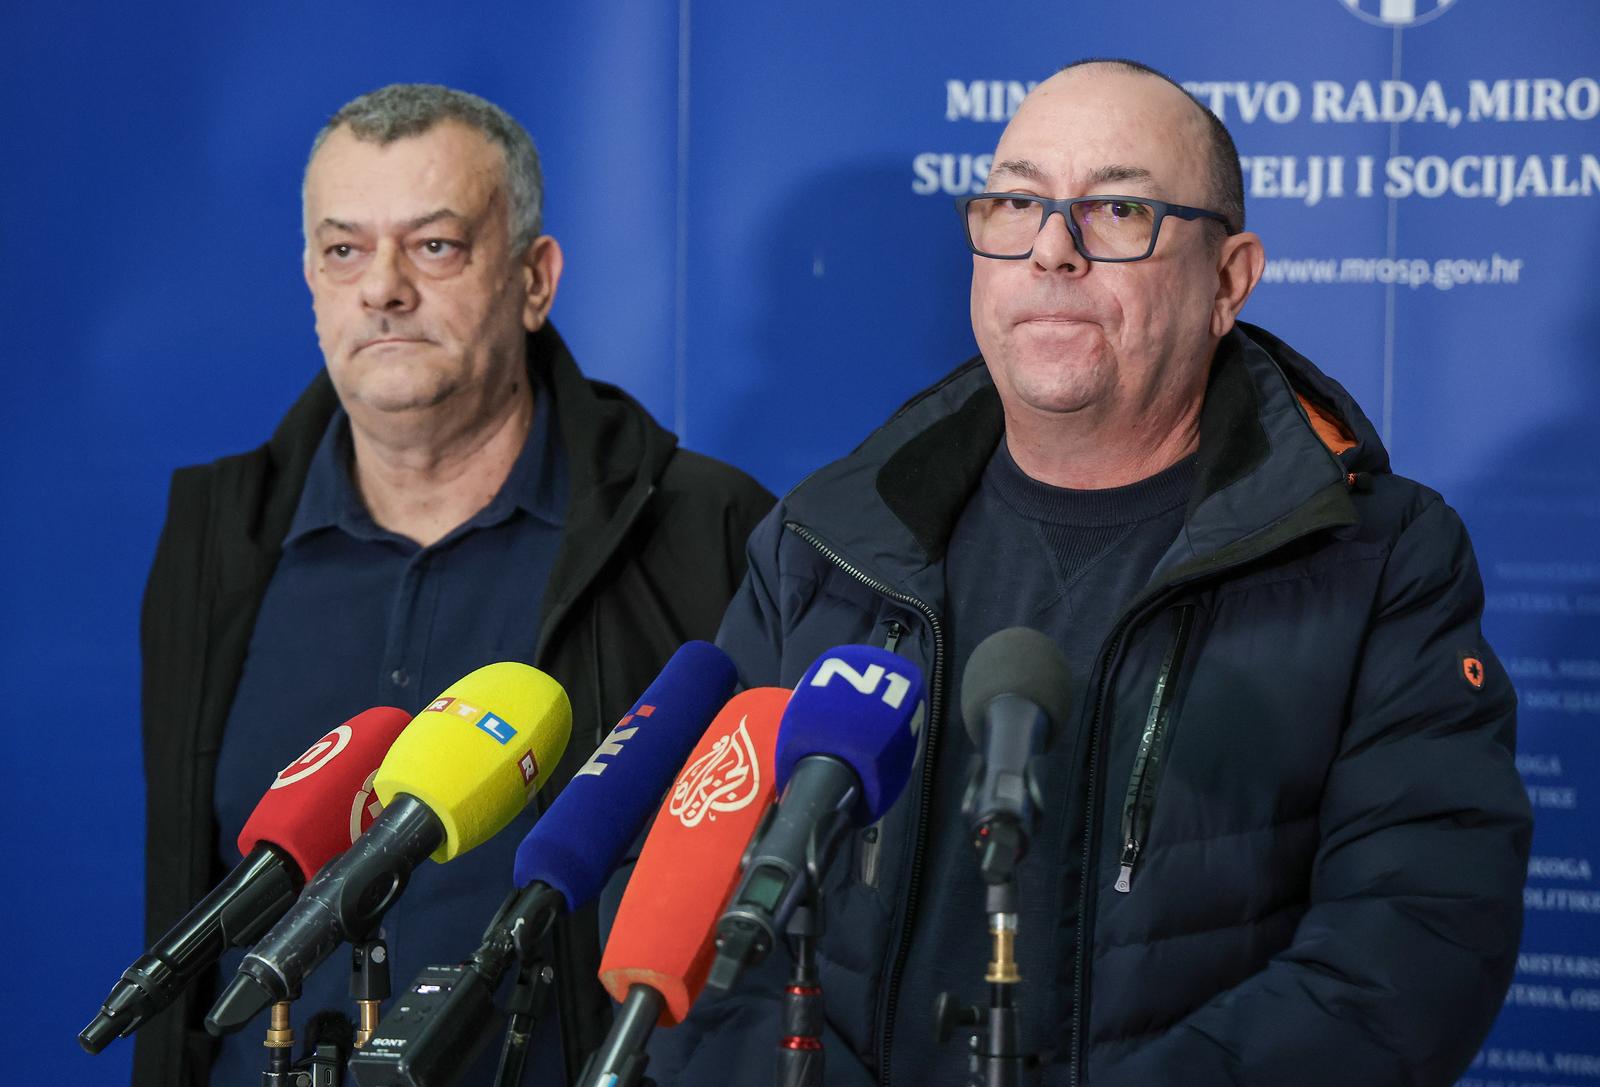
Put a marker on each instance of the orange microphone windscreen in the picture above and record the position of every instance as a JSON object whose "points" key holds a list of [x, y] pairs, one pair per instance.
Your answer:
{"points": [[665, 931]]}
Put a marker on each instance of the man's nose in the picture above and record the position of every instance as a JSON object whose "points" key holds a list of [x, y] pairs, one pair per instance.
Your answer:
{"points": [[386, 281], [1054, 248]]}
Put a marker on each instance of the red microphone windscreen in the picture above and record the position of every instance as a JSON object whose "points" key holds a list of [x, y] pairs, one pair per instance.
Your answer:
{"points": [[322, 801], [665, 932]]}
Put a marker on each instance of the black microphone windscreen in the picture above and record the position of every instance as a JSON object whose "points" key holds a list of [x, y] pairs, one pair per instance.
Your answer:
{"points": [[1016, 661]]}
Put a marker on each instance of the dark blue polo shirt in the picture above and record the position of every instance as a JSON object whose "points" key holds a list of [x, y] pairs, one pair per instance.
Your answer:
{"points": [[355, 617]]}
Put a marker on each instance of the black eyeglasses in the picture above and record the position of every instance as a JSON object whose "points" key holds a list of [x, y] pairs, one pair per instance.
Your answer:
{"points": [[1003, 225]]}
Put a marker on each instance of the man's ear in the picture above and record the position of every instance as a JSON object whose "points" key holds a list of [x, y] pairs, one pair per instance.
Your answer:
{"points": [[541, 272], [1240, 262]]}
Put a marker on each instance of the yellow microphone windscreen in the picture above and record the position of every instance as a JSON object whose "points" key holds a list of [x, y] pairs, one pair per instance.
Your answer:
{"points": [[477, 754]]}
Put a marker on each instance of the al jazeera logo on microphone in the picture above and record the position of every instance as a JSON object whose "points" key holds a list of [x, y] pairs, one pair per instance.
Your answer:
{"points": [[1397, 13], [725, 779]]}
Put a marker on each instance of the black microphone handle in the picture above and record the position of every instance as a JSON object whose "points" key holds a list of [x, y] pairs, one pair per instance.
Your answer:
{"points": [[812, 816], [1015, 730], [345, 901], [622, 1053], [234, 914]]}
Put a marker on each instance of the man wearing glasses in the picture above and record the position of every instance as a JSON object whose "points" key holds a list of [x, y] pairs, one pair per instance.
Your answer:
{"points": [[1281, 837]]}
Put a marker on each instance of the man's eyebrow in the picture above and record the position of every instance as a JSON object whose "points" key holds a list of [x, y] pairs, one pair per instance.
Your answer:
{"points": [[434, 217], [1033, 172], [1118, 172], [1020, 167], [409, 225]]}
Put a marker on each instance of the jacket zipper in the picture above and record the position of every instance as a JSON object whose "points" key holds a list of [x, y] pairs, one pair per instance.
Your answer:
{"points": [[896, 631], [872, 837], [1086, 879], [1140, 804], [935, 704], [1092, 800]]}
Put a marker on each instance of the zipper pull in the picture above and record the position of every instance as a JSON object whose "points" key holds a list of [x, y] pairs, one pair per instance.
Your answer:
{"points": [[896, 631], [1130, 857]]}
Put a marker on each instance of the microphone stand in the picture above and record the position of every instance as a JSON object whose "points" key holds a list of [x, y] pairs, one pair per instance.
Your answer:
{"points": [[800, 1058], [280, 1047], [516, 934], [320, 1068], [369, 984], [996, 1059], [534, 982]]}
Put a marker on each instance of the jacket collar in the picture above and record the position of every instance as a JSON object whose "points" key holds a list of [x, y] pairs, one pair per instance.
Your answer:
{"points": [[615, 453], [1263, 476]]}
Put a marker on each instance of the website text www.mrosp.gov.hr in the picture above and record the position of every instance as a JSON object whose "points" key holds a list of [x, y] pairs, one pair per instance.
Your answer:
{"points": [[1442, 273]]}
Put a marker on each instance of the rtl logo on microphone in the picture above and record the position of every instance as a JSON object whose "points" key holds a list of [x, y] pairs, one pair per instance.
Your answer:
{"points": [[453, 705], [316, 757], [497, 727], [501, 730], [612, 746], [725, 779]]}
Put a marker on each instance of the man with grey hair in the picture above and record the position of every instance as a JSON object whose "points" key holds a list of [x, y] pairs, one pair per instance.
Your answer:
{"points": [[450, 492]]}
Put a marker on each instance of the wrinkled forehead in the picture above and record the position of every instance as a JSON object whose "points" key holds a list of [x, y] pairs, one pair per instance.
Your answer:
{"points": [[1098, 125], [449, 164]]}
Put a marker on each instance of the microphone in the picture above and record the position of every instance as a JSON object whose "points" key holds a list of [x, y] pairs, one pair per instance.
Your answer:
{"points": [[457, 774], [845, 749], [661, 944], [314, 809], [576, 845], [1015, 695], [562, 864]]}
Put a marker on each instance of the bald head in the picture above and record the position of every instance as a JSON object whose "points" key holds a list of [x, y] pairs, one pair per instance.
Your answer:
{"points": [[1111, 355], [1194, 123]]}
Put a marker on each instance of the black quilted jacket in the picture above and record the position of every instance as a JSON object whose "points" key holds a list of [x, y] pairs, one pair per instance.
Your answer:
{"points": [[1325, 846]]}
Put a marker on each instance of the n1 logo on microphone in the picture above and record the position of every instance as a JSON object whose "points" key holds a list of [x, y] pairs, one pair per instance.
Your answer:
{"points": [[895, 689], [316, 757], [612, 746]]}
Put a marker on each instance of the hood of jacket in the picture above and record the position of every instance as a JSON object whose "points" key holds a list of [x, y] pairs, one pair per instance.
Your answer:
{"points": [[616, 452], [1280, 443]]}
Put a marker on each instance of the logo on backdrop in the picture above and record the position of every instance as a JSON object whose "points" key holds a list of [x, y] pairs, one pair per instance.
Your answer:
{"points": [[726, 779], [366, 808], [316, 757], [1398, 13]]}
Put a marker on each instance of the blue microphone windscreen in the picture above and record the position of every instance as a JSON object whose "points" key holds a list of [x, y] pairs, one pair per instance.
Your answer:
{"points": [[578, 841], [864, 706]]}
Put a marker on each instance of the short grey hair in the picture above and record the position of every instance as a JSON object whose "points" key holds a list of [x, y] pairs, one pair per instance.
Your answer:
{"points": [[409, 109]]}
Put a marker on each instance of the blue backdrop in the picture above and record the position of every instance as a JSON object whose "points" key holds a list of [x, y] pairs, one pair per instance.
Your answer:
{"points": [[755, 208]]}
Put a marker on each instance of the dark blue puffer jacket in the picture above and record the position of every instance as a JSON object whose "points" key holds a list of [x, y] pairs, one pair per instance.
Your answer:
{"points": [[1326, 846]]}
